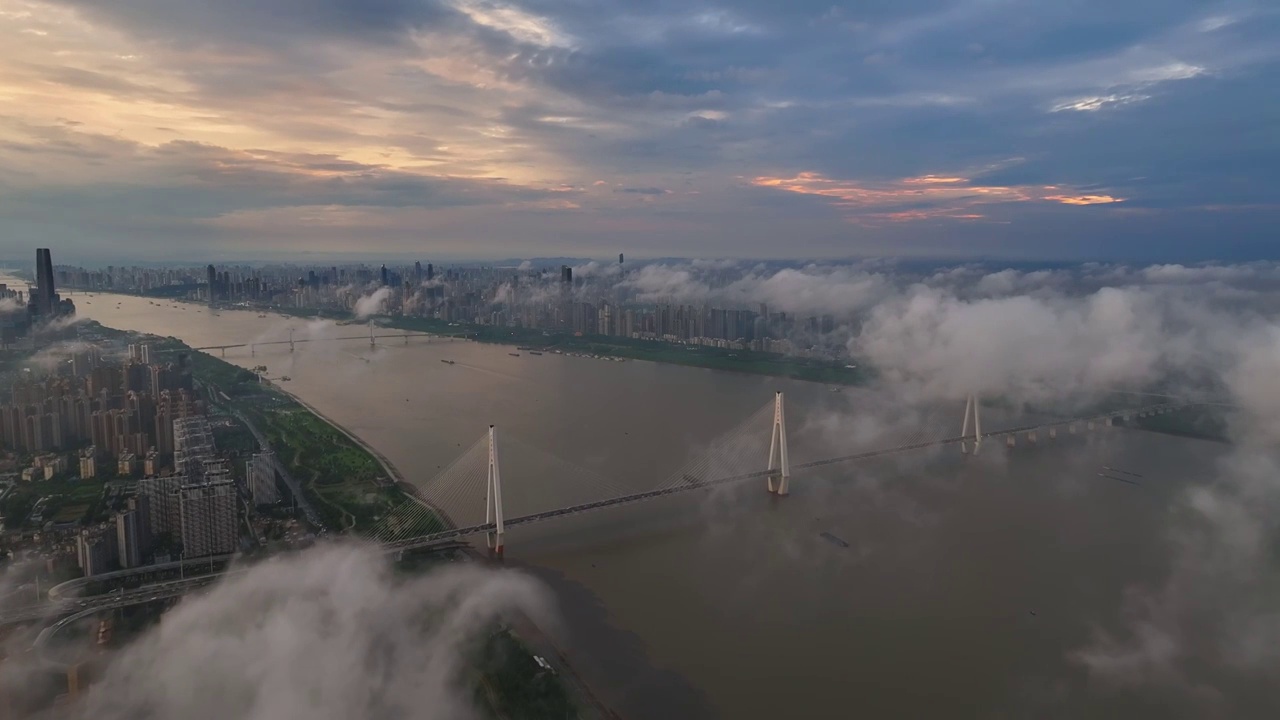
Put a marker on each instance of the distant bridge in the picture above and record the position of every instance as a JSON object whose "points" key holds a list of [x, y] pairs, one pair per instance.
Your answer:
{"points": [[373, 337]]}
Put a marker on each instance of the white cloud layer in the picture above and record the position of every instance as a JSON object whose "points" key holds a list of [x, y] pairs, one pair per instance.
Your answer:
{"points": [[330, 634]]}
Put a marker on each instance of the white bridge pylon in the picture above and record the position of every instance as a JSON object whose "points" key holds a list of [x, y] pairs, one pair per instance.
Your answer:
{"points": [[972, 415], [779, 463], [493, 496]]}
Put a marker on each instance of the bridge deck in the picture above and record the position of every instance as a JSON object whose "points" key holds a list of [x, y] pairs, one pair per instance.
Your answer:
{"points": [[650, 494]]}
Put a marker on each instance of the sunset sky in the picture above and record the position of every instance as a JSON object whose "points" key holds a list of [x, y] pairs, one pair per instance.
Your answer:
{"points": [[461, 129]]}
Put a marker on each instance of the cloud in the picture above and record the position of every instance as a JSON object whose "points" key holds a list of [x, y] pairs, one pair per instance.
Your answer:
{"points": [[330, 633], [375, 303], [136, 125], [643, 190], [926, 197]]}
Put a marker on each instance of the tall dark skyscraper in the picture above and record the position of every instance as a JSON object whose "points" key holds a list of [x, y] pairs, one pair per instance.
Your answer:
{"points": [[212, 275], [431, 272], [566, 274], [384, 276], [46, 298], [417, 273]]}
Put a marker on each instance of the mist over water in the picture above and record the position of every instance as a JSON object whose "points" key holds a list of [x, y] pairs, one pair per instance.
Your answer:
{"points": [[1012, 584]]}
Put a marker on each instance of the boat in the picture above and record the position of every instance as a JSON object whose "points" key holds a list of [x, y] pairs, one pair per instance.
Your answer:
{"points": [[534, 352], [447, 362], [833, 539], [514, 354], [285, 378]]}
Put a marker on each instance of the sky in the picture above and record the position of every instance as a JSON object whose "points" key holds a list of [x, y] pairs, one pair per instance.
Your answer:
{"points": [[1143, 130]]}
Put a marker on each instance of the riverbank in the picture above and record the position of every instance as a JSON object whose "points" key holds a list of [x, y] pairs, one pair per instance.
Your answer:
{"points": [[712, 358], [321, 451]]}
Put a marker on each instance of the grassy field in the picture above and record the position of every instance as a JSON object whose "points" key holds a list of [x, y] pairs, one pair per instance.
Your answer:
{"points": [[341, 475], [68, 501]]}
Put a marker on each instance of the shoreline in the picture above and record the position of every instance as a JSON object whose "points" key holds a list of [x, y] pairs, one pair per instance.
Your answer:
{"points": [[752, 362]]}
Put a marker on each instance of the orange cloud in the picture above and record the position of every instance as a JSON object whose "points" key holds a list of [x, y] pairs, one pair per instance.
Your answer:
{"points": [[1084, 199], [923, 197]]}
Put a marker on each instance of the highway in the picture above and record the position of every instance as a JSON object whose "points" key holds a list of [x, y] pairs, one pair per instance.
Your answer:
{"points": [[109, 601]]}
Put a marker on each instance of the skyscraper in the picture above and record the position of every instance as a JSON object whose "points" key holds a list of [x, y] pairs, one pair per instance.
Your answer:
{"points": [[566, 274], [211, 274], [384, 276], [431, 272], [46, 298]]}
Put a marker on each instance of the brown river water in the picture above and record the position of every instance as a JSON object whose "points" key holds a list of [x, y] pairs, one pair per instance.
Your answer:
{"points": [[965, 586]]}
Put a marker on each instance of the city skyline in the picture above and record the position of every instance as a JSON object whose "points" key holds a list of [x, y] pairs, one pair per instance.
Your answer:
{"points": [[481, 130]]}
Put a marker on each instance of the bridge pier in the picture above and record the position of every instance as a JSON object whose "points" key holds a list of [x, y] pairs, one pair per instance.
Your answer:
{"points": [[1010, 441], [972, 414], [253, 351], [779, 463], [224, 352], [1053, 433], [1031, 437], [493, 497]]}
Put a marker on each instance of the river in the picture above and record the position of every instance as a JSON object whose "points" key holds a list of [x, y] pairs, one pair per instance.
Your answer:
{"points": [[965, 585]]}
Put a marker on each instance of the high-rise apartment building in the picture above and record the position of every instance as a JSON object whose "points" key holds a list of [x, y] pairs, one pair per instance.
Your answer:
{"points": [[210, 523], [162, 497], [261, 471], [133, 533], [192, 445], [96, 551]]}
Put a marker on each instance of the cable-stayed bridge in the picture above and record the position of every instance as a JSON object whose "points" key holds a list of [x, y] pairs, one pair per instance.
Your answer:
{"points": [[448, 506], [470, 497]]}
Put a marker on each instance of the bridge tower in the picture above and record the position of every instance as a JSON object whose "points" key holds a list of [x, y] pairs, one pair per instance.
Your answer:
{"points": [[972, 416], [493, 497], [779, 463]]}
